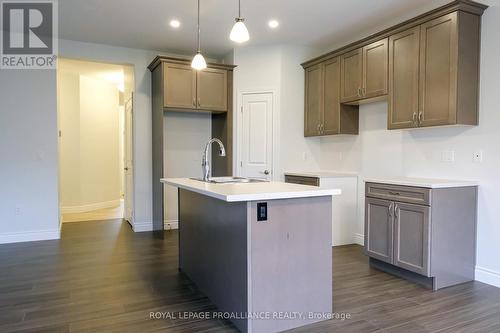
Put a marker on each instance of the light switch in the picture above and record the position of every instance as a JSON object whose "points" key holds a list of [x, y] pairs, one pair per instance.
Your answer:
{"points": [[448, 156]]}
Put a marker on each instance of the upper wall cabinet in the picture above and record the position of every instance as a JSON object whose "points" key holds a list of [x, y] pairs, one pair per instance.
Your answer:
{"points": [[403, 79], [364, 72], [212, 89], [375, 64], [187, 89], [428, 67], [447, 50], [351, 76], [179, 86], [324, 115]]}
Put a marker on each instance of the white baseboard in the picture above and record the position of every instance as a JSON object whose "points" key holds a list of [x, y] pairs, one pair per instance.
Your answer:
{"points": [[30, 236], [142, 226], [170, 224], [359, 239], [487, 276], [91, 207]]}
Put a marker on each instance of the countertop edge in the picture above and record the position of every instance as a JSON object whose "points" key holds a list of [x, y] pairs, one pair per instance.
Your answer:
{"points": [[425, 183], [256, 196]]}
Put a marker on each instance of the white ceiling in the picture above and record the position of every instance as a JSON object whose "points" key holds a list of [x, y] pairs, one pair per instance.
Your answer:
{"points": [[144, 24]]}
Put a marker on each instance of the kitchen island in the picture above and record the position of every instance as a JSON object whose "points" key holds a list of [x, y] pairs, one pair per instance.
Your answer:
{"points": [[260, 251]]}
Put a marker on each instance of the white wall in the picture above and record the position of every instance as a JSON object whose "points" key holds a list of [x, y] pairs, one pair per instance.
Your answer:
{"points": [[69, 142], [99, 148], [185, 137], [277, 68], [379, 152], [28, 146]]}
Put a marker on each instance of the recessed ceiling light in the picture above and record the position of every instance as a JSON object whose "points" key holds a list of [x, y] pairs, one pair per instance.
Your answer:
{"points": [[175, 23], [273, 24]]}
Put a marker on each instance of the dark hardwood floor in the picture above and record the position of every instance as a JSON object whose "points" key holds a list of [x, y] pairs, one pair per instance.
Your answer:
{"points": [[101, 277]]}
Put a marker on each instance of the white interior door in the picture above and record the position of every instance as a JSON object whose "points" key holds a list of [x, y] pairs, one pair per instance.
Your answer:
{"points": [[256, 149], [128, 162]]}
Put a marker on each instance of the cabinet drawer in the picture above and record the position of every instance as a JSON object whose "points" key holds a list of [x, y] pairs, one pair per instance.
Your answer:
{"points": [[417, 195], [312, 181]]}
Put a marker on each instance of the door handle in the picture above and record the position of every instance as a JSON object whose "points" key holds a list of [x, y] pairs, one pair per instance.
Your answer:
{"points": [[126, 169]]}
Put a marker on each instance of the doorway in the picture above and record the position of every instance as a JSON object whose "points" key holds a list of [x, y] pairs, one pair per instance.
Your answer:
{"points": [[256, 139], [95, 107]]}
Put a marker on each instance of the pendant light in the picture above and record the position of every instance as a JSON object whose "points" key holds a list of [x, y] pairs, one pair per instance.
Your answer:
{"points": [[199, 62], [239, 33]]}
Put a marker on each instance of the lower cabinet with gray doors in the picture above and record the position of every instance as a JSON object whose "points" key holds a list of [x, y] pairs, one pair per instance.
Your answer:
{"points": [[425, 233]]}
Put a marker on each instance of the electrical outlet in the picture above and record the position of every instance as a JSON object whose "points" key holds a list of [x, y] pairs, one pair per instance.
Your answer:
{"points": [[477, 157], [448, 156]]}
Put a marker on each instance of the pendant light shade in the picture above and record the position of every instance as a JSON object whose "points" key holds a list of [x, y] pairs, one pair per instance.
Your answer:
{"points": [[239, 33], [199, 62]]}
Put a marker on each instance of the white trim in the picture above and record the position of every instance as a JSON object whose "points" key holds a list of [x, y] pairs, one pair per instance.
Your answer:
{"points": [[276, 129], [30, 236], [170, 224], [487, 276], [359, 239], [91, 207], [142, 227]]}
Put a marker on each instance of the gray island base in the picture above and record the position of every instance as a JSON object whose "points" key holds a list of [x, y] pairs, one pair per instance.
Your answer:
{"points": [[266, 276]]}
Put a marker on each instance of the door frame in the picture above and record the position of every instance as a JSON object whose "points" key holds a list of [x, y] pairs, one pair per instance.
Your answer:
{"points": [[238, 119]]}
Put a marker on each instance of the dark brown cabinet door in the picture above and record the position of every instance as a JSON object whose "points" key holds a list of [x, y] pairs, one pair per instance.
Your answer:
{"points": [[351, 76], [212, 89], [379, 229], [438, 71], [412, 237], [313, 100], [403, 79], [331, 102], [375, 63], [179, 85]]}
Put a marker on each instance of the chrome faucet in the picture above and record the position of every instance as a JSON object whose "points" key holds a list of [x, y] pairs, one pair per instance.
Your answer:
{"points": [[204, 161]]}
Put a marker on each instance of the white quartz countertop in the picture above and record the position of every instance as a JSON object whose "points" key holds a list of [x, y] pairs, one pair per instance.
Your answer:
{"points": [[250, 191], [423, 182], [321, 174]]}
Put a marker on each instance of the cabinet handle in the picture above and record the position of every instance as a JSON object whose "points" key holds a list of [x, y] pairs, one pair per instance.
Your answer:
{"points": [[415, 119], [391, 207], [396, 208], [359, 92], [364, 92], [394, 193], [319, 128], [420, 116], [194, 102], [199, 104]]}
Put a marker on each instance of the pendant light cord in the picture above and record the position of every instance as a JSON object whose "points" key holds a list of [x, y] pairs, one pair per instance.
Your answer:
{"points": [[239, 8], [199, 44]]}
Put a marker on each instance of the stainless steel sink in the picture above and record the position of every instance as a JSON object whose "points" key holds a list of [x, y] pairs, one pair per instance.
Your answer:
{"points": [[230, 180]]}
